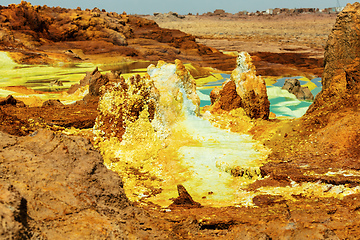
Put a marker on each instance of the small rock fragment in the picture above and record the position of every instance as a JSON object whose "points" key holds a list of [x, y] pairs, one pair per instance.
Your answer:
{"points": [[184, 200], [293, 86]]}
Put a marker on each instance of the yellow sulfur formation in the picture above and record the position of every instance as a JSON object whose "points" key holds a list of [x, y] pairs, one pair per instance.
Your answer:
{"points": [[135, 157]]}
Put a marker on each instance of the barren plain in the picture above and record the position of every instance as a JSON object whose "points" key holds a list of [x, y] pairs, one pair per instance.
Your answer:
{"points": [[295, 41], [302, 30]]}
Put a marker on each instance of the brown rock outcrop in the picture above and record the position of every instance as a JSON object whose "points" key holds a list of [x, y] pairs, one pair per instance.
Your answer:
{"points": [[92, 82], [10, 100], [325, 141], [82, 195], [244, 89], [95, 80], [52, 103], [250, 88], [168, 16], [293, 86], [12, 123], [43, 34], [214, 95], [20, 120], [184, 200], [55, 186], [341, 78], [288, 63], [12, 213], [58, 24], [227, 98]]}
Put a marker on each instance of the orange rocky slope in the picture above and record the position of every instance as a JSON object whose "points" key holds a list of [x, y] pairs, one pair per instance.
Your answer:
{"points": [[326, 139], [40, 34]]}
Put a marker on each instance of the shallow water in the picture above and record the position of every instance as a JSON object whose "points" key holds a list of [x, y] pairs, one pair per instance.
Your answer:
{"points": [[211, 161], [40, 77], [282, 103]]}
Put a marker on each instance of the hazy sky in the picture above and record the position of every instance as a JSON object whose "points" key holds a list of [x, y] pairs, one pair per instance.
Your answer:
{"points": [[184, 6]]}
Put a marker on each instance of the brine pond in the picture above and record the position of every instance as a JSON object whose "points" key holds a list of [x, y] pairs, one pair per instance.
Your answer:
{"points": [[41, 78], [206, 154]]}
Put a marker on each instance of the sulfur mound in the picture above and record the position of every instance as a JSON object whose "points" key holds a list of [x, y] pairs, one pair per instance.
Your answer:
{"points": [[244, 89], [136, 115], [121, 104], [251, 88], [160, 94]]}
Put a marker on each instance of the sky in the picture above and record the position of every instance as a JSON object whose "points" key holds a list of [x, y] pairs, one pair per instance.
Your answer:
{"points": [[184, 6]]}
